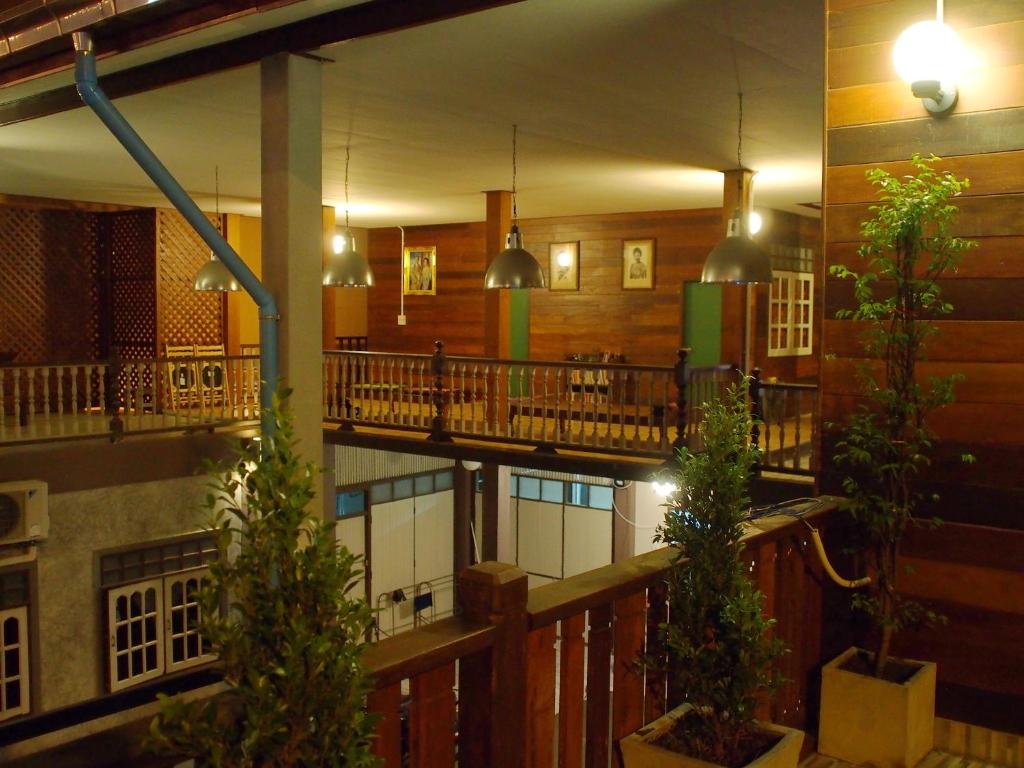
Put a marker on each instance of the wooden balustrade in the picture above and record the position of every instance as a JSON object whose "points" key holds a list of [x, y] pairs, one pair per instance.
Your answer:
{"points": [[548, 677], [789, 426], [66, 400]]}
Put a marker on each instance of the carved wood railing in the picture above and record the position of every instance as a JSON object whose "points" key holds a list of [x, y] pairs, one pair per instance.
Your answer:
{"points": [[58, 401], [611, 407], [549, 676], [788, 433]]}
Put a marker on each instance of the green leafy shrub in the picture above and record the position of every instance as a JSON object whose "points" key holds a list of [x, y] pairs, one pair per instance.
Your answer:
{"points": [[290, 639], [715, 647], [886, 444]]}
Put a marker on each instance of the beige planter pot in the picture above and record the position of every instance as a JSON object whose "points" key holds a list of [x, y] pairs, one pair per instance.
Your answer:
{"points": [[639, 752], [865, 719]]}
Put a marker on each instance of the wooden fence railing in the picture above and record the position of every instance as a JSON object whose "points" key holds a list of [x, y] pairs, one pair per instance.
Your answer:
{"points": [[613, 407], [789, 427], [548, 676], [64, 400]]}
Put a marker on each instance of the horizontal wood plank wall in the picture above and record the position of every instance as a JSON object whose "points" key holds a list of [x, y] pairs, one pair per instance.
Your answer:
{"points": [[872, 120], [643, 325], [455, 314]]}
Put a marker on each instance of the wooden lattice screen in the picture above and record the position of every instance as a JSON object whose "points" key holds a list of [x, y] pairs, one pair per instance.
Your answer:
{"points": [[49, 300], [131, 239], [185, 316]]}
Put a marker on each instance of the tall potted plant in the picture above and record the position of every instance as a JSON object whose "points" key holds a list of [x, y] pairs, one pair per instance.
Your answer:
{"points": [[278, 616], [715, 648], [875, 708]]}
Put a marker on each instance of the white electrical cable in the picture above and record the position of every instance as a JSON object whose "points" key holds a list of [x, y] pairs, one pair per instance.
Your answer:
{"points": [[638, 527], [845, 583]]}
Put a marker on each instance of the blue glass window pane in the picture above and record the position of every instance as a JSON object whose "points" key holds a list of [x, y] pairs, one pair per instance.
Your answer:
{"points": [[601, 496], [380, 493], [424, 485], [579, 494], [443, 481], [514, 486], [529, 488], [403, 488], [552, 490], [351, 503]]}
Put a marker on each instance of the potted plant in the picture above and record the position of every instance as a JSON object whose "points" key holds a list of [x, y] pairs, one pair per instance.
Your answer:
{"points": [[277, 614], [873, 707], [715, 648]]}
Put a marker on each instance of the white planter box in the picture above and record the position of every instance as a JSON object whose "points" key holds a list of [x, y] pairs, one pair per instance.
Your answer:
{"points": [[638, 751], [866, 719]]}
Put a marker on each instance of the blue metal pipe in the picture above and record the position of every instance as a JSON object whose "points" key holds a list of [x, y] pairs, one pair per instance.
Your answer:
{"points": [[97, 100]]}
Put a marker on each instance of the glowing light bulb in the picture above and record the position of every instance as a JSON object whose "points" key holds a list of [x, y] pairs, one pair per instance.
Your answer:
{"points": [[665, 490], [338, 243], [929, 50], [564, 259], [754, 223]]}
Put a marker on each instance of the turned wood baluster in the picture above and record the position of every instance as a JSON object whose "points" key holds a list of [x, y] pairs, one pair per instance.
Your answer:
{"points": [[544, 404], [438, 432], [488, 408], [47, 422], [533, 395], [679, 374], [781, 411], [74, 398], [797, 454], [30, 404]]}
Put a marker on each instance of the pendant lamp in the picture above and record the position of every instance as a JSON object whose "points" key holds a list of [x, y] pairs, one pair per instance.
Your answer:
{"points": [[737, 258], [213, 275], [515, 266], [347, 268]]}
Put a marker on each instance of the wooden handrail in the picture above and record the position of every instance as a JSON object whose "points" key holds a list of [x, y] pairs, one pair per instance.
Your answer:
{"points": [[788, 385], [432, 645], [561, 599]]}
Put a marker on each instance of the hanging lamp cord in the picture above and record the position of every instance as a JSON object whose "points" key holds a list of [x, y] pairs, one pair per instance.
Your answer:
{"points": [[727, 12], [348, 155], [515, 168]]}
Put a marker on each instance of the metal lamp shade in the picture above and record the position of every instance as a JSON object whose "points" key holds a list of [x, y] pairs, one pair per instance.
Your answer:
{"points": [[214, 276], [514, 267], [737, 259], [347, 269]]}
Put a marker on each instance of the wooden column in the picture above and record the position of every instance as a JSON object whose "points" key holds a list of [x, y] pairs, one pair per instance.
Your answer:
{"points": [[327, 245], [292, 234], [496, 538], [497, 303], [735, 194], [492, 685]]}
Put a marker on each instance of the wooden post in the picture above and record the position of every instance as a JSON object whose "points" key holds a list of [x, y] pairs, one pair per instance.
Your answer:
{"points": [[437, 368], [681, 387], [465, 497], [755, 411], [492, 686], [114, 394]]}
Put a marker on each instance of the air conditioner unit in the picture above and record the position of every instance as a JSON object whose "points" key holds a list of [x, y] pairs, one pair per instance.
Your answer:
{"points": [[24, 513]]}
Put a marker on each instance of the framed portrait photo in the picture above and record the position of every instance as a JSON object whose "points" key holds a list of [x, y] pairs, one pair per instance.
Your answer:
{"points": [[637, 264], [419, 271], [564, 266]]}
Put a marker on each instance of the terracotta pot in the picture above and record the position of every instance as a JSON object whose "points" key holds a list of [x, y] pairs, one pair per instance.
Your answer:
{"points": [[868, 719], [638, 751]]}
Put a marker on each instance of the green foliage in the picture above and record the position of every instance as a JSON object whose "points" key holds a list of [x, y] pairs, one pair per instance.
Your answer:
{"points": [[716, 646], [886, 444], [290, 640]]}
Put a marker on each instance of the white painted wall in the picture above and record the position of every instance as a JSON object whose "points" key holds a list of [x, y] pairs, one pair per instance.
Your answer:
{"points": [[351, 533], [649, 515], [540, 538], [588, 539]]}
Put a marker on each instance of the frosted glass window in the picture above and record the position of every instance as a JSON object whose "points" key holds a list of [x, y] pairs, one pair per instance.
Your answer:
{"points": [[380, 492], [443, 481], [601, 496], [514, 486], [579, 494], [529, 488], [403, 488], [424, 485], [552, 491]]}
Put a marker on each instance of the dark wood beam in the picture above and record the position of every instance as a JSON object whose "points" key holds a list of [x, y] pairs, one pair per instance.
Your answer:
{"points": [[370, 18]]}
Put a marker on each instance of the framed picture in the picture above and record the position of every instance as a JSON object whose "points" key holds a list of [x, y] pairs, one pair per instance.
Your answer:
{"points": [[419, 271], [564, 266], [637, 264]]}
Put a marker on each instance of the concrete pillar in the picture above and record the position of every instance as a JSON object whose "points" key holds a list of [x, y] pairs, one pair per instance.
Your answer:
{"points": [[293, 233], [623, 523], [735, 194]]}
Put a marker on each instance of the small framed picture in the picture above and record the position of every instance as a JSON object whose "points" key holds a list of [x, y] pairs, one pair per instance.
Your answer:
{"points": [[564, 266], [419, 271], [637, 264]]}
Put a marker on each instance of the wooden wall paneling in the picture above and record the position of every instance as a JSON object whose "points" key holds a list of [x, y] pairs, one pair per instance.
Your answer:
{"points": [[432, 718], [184, 316], [133, 283], [387, 745], [571, 692], [540, 697], [994, 257], [49, 306]]}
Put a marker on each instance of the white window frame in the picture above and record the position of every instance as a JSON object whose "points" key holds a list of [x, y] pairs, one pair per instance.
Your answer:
{"points": [[20, 616], [165, 634], [786, 328]]}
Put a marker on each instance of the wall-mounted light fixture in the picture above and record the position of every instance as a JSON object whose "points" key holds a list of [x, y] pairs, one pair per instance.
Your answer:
{"points": [[929, 56]]}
